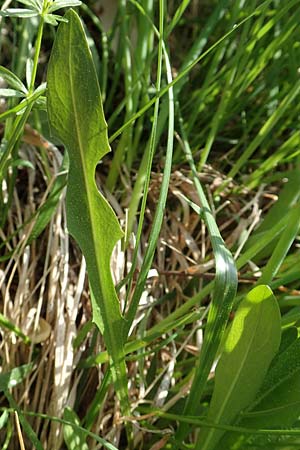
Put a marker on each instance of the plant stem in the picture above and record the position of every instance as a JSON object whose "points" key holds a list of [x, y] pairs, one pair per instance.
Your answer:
{"points": [[38, 44]]}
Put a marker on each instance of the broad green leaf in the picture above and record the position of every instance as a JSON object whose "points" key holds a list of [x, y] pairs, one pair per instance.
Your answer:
{"points": [[278, 401], [74, 438], [287, 338], [249, 348], [76, 118]]}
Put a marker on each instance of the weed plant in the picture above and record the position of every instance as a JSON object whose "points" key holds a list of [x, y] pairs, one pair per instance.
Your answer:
{"points": [[149, 294]]}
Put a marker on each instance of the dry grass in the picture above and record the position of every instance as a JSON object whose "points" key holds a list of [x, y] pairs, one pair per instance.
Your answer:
{"points": [[45, 293]]}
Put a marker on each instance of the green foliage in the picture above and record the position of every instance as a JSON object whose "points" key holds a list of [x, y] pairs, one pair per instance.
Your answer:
{"points": [[91, 220], [14, 377], [222, 79], [278, 403], [74, 439], [251, 344], [222, 298]]}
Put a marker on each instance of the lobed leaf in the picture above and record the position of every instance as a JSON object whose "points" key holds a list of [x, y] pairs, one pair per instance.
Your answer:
{"points": [[76, 118]]}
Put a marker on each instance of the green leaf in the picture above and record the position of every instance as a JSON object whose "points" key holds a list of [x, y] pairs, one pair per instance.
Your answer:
{"points": [[6, 323], [282, 246], [25, 103], [32, 437], [12, 80], [7, 92], [287, 338], [3, 419], [249, 348], [76, 118], [53, 19], [10, 379], [18, 12], [288, 197], [21, 163], [46, 211], [74, 438], [278, 401], [222, 299], [58, 4], [33, 3]]}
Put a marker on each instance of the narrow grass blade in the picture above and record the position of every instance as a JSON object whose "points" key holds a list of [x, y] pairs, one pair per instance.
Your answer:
{"points": [[76, 118], [185, 71], [4, 322], [261, 242], [159, 213], [222, 299], [78, 428], [282, 246], [288, 197], [285, 151], [266, 129], [200, 422], [249, 348], [46, 211], [24, 422]]}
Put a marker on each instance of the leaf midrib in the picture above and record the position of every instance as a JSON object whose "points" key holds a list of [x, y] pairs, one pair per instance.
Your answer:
{"points": [[86, 183]]}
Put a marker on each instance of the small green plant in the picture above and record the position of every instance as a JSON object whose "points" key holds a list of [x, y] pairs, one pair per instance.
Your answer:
{"points": [[194, 291]]}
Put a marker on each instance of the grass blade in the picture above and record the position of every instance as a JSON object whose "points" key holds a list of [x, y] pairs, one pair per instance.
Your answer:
{"points": [[283, 246], [159, 213], [222, 299]]}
